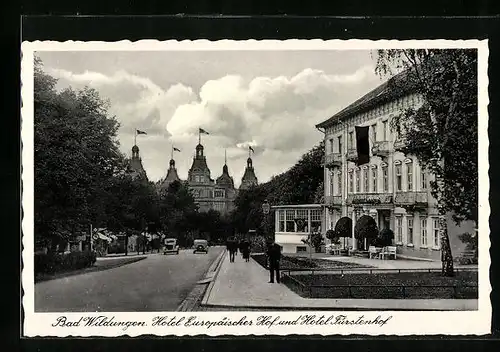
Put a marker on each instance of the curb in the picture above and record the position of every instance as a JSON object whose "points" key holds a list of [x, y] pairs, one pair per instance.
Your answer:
{"points": [[201, 286], [213, 276], [296, 308]]}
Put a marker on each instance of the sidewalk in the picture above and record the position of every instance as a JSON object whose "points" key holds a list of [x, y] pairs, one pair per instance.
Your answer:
{"points": [[245, 285]]}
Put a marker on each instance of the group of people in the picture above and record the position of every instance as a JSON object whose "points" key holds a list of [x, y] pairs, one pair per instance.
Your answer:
{"points": [[273, 255], [234, 245]]}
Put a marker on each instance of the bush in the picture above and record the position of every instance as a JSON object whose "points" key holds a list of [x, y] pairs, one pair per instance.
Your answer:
{"points": [[366, 227], [384, 238], [330, 234], [51, 263]]}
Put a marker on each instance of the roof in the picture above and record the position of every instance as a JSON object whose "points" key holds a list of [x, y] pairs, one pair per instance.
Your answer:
{"points": [[387, 91]]}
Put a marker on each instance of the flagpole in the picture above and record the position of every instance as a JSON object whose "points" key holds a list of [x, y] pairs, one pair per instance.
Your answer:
{"points": [[172, 153], [199, 136], [135, 137]]}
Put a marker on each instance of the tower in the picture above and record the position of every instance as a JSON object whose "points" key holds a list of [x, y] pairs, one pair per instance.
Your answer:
{"points": [[224, 192], [134, 167], [171, 176], [249, 179], [199, 180]]}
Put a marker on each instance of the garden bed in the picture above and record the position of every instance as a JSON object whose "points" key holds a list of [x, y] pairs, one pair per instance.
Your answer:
{"points": [[297, 262], [412, 285]]}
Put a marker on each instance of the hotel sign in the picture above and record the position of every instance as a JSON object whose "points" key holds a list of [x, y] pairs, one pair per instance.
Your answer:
{"points": [[370, 199]]}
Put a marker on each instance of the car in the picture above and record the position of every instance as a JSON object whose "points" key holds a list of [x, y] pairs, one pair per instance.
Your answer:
{"points": [[200, 246], [170, 246]]}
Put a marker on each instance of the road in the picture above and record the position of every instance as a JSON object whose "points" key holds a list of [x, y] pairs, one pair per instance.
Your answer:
{"points": [[157, 283]]}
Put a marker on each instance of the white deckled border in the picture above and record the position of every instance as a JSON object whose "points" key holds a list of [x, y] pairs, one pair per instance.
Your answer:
{"points": [[401, 323]]}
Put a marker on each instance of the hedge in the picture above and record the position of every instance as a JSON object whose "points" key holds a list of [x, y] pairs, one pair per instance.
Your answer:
{"points": [[56, 262]]}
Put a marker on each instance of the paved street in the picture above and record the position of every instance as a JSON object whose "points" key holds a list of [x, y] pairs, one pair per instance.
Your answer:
{"points": [[157, 283]]}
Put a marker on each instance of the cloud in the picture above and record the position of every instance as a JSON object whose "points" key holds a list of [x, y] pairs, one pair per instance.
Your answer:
{"points": [[275, 115]]}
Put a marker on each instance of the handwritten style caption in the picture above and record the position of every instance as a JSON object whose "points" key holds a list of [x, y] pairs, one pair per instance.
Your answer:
{"points": [[194, 321]]}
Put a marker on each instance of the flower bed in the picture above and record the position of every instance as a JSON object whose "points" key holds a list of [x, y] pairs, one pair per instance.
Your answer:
{"points": [[413, 285], [297, 262]]}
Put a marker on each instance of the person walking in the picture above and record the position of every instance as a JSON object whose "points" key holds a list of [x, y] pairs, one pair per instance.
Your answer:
{"points": [[245, 250], [274, 257], [232, 248]]}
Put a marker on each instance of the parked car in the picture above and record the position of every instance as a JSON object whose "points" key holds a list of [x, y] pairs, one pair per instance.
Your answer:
{"points": [[170, 246], [200, 246]]}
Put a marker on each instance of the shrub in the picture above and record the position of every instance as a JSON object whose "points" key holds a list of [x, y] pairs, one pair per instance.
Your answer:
{"points": [[51, 263], [330, 234], [366, 227], [384, 238]]}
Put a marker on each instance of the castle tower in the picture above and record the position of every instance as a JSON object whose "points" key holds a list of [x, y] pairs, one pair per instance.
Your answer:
{"points": [[199, 180], [224, 192], [249, 179], [171, 176], [134, 167]]}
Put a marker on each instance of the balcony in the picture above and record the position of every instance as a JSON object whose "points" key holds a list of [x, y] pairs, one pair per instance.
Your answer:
{"points": [[401, 145], [333, 160], [333, 201], [411, 199], [369, 199], [352, 154], [381, 149]]}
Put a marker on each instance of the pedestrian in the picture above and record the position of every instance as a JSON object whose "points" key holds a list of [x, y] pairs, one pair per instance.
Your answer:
{"points": [[245, 250], [273, 258], [231, 247]]}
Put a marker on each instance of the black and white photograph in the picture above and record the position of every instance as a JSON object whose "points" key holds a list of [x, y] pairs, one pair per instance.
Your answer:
{"points": [[260, 187]]}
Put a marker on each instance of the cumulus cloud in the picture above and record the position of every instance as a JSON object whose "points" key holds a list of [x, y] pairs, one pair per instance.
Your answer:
{"points": [[275, 115]]}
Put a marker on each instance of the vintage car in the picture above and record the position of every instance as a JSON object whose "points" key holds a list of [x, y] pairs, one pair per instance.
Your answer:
{"points": [[170, 246], [200, 246]]}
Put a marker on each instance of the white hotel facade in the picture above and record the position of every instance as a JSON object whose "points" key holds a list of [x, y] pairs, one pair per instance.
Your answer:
{"points": [[393, 187]]}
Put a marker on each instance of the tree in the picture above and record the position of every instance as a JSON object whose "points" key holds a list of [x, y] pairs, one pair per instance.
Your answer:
{"points": [[75, 156], [384, 238], [365, 227], [442, 133]]}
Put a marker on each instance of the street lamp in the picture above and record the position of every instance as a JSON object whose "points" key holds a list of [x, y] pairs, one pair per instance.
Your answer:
{"points": [[266, 207]]}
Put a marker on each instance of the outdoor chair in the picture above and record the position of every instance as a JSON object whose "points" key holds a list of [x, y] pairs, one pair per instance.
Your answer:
{"points": [[374, 252], [389, 251], [336, 250]]}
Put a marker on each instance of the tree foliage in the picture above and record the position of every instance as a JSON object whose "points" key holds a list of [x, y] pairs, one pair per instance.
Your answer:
{"points": [[442, 133], [365, 227], [76, 155]]}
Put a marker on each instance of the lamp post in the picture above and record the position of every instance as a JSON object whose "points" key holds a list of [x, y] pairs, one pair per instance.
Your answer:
{"points": [[266, 207]]}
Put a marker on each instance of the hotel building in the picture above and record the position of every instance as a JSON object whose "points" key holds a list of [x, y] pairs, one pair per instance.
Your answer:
{"points": [[393, 187]]}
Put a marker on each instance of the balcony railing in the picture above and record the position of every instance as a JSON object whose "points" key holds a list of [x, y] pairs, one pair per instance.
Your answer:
{"points": [[381, 148], [333, 200], [369, 198], [333, 160], [401, 145], [352, 154], [411, 199]]}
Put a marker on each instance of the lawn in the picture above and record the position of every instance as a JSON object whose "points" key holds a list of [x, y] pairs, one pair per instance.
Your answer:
{"points": [[411, 285], [297, 262]]}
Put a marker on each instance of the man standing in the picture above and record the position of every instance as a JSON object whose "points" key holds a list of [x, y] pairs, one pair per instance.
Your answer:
{"points": [[274, 257], [231, 247]]}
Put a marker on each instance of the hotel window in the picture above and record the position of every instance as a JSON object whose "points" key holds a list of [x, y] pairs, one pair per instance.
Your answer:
{"points": [[399, 229], [339, 143], [423, 232], [302, 214], [351, 182], [374, 180], [409, 234], [358, 181], [316, 219], [331, 184], [435, 232], [374, 132], [423, 180], [366, 181], [339, 184], [331, 145], [351, 140], [386, 130], [385, 176], [409, 176], [281, 220], [399, 178], [290, 221]]}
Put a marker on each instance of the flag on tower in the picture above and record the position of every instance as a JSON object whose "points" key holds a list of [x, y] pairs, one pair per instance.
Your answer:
{"points": [[201, 130], [176, 149], [251, 149], [140, 132]]}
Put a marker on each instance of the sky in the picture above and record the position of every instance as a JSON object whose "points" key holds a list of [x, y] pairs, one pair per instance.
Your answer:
{"points": [[270, 100]]}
